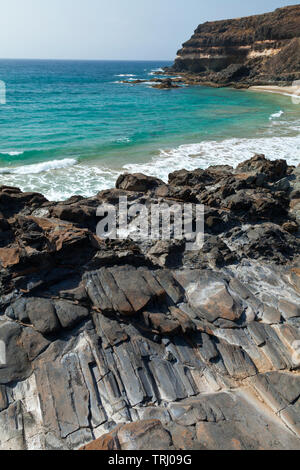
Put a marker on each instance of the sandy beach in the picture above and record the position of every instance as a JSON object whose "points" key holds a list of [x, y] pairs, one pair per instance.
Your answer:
{"points": [[293, 91]]}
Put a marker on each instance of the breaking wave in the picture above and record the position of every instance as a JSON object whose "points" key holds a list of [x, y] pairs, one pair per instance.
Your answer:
{"points": [[38, 167]]}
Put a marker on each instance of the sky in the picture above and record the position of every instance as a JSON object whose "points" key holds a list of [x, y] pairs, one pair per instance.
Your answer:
{"points": [[111, 29]]}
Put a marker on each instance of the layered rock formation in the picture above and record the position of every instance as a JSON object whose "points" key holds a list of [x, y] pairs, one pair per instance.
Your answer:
{"points": [[140, 344], [262, 49]]}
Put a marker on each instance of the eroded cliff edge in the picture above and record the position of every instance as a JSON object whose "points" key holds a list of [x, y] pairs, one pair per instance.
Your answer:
{"points": [[255, 50], [144, 344]]}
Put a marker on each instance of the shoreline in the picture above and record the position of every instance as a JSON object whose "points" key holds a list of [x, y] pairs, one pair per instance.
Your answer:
{"points": [[292, 91]]}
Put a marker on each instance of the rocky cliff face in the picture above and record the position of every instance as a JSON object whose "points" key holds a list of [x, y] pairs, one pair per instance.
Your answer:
{"points": [[143, 345], [256, 49]]}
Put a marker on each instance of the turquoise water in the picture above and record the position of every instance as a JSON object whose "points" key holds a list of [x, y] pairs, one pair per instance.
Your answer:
{"points": [[71, 127]]}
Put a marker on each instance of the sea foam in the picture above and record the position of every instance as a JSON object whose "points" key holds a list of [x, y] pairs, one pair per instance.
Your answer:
{"points": [[125, 75], [39, 167], [226, 152], [13, 153], [70, 178]]}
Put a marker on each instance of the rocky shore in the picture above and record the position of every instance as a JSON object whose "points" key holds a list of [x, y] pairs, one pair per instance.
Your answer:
{"points": [[243, 52], [131, 344]]}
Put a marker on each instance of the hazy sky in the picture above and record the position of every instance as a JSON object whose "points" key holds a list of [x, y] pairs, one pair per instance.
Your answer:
{"points": [[111, 29]]}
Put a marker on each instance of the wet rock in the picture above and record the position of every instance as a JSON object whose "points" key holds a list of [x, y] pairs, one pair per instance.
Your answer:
{"points": [[165, 84]]}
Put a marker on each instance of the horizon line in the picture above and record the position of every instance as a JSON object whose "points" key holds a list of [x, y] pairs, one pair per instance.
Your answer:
{"points": [[87, 60]]}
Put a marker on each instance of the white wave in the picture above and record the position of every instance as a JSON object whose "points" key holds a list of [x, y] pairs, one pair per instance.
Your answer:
{"points": [[276, 115], [38, 167], [125, 81], [12, 153], [70, 178], [125, 140], [126, 75], [157, 70], [65, 182], [226, 152]]}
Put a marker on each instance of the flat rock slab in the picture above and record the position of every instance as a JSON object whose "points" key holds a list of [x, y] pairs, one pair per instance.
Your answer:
{"points": [[128, 291]]}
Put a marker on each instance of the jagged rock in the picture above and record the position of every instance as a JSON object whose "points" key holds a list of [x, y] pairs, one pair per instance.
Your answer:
{"points": [[138, 182], [233, 73], [122, 289], [13, 201], [274, 171], [79, 214], [70, 314], [163, 324], [165, 84], [135, 330], [189, 178]]}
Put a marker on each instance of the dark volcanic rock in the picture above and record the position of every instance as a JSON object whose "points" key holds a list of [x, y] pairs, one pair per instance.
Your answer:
{"points": [[137, 182], [144, 343], [17, 366], [274, 171]]}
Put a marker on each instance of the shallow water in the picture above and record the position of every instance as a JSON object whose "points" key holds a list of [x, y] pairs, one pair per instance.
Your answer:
{"points": [[71, 127]]}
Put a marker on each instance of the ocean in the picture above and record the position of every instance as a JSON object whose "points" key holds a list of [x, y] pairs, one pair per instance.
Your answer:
{"points": [[71, 127]]}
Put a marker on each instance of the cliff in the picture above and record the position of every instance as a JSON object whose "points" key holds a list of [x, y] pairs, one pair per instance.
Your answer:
{"points": [[145, 345], [262, 49]]}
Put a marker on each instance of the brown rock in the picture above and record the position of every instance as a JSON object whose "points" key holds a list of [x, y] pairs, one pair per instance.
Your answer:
{"points": [[291, 227], [144, 435], [104, 443], [163, 324], [9, 256], [138, 182], [274, 170]]}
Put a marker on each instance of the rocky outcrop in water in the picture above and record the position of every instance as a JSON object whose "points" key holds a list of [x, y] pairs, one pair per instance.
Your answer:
{"points": [[255, 50], [140, 344]]}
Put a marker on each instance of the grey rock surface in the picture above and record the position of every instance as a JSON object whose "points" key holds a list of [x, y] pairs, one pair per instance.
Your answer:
{"points": [[109, 347]]}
